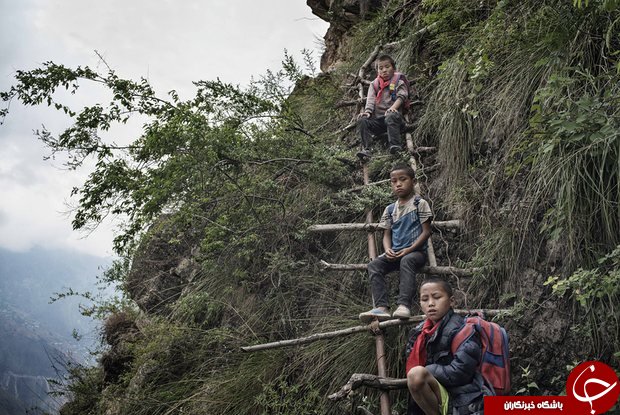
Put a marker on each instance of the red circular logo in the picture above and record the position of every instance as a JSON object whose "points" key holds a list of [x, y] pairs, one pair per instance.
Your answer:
{"points": [[592, 388]]}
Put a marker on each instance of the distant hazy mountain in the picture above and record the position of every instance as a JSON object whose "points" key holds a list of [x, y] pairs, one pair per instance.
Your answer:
{"points": [[36, 337], [9, 405], [29, 356]]}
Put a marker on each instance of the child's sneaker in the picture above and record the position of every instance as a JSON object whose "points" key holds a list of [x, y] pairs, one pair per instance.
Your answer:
{"points": [[376, 313], [364, 154], [395, 149], [402, 312]]}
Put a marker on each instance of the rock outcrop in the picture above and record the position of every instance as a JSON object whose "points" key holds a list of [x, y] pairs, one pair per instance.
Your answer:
{"points": [[342, 16], [163, 265]]}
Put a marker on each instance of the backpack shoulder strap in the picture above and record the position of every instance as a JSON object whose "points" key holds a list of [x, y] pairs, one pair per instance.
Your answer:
{"points": [[390, 210], [395, 78], [394, 84], [465, 333], [392, 206], [375, 85]]}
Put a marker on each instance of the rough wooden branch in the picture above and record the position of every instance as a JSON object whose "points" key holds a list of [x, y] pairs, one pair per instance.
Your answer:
{"points": [[409, 127], [369, 61], [364, 411], [457, 272], [343, 267], [432, 259], [358, 380], [353, 80], [411, 149], [351, 103], [305, 340], [425, 149], [368, 227], [357, 329], [349, 127], [371, 227], [430, 169], [375, 52], [360, 93]]}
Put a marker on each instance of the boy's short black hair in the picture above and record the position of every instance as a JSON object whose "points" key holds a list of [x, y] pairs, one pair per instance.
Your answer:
{"points": [[385, 57], [407, 168], [444, 284]]}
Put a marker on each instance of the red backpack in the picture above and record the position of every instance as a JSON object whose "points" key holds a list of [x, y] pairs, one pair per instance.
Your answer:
{"points": [[393, 83], [495, 361]]}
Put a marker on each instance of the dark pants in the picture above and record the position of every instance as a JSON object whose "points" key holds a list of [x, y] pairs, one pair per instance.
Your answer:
{"points": [[407, 266], [393, 123]]}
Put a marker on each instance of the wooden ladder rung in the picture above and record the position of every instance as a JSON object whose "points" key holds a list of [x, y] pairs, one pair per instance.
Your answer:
{"points": [[433, 270], [443, 225], [358, 380], [488, 313]]}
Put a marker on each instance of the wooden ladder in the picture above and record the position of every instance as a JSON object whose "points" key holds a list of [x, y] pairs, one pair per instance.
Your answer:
{"points": [[381, 380], [370, 227]]}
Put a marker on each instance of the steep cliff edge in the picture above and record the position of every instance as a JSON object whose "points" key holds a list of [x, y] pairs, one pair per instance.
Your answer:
{"points": [[342, 16]]}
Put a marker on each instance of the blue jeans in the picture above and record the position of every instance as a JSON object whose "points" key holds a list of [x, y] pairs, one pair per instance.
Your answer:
{"points": [[408, 266], [393, 123]]}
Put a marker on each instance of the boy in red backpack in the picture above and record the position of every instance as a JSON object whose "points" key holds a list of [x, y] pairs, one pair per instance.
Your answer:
{"points": [[439, 380], [385, 101]]}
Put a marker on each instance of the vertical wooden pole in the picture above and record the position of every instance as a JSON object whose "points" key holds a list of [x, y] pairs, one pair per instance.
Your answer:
{"points": [[379, 338], [372, 246], [372, 251], [414, 165]]}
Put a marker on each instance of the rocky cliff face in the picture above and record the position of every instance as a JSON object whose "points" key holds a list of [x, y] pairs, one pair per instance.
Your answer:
{"points": [[342, 16], [162, 266]]}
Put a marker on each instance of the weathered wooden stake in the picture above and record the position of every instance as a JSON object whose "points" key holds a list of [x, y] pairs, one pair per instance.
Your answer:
{"points": [[379, 338], [358, 380]]}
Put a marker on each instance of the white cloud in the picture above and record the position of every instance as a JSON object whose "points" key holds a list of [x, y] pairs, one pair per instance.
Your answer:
{"points": [[169, 43]]}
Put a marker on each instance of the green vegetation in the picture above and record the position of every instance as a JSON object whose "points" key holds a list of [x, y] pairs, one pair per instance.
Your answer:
{"points": [[595, 292], [520, 99]]}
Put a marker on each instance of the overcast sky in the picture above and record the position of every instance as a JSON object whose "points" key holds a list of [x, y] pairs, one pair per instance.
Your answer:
{"points": [[171, 43]]}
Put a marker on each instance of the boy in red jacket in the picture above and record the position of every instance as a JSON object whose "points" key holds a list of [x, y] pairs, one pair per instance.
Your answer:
{"points": [[436, 378]]}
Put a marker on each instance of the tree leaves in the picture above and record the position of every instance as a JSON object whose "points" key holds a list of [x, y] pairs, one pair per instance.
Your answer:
{"points": [[188, 150]]}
